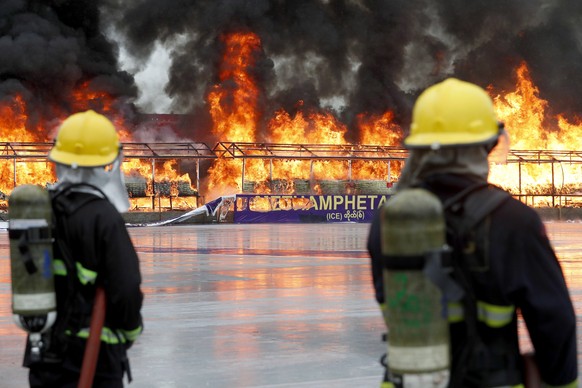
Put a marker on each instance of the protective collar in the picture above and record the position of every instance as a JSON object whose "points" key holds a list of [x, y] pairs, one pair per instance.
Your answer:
{"points": [[421, 163], [109, 180]]}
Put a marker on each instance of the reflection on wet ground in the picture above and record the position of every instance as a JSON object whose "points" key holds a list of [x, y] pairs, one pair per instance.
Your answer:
{"points": [[257, 306]]}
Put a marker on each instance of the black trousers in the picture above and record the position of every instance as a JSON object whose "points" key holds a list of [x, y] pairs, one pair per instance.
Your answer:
{"points": [[55, 376], [62, 369]]}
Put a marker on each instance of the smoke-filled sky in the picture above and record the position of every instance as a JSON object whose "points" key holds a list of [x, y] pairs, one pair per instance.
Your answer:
{"points": [[51, 49], [355, 55]]}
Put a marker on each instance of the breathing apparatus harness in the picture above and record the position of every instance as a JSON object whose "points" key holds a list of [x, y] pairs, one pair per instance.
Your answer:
{"points": [[64, 207], [465, 214], [41, 253]]}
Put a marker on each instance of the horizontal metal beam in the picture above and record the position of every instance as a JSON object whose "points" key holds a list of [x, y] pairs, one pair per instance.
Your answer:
{"points": [[30, 151]]}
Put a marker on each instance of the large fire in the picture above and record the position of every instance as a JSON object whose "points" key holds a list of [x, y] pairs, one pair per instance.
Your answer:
{"points": [[15, 129], [523, 112], [235, 113], [530, 127], [235, 108], [13, 123]]}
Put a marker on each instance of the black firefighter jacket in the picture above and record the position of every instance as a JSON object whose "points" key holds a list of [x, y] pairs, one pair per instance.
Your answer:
{"points": [[94, 235], [523, 275]]}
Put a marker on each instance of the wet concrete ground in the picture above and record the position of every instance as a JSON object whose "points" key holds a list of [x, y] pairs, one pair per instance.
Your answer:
{"points": [[257, 306]]}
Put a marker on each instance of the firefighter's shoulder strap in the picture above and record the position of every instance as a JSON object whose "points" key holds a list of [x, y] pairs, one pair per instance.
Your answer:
{"points": [[474, 203], [62, 203], [464, 213], [63, 206]]}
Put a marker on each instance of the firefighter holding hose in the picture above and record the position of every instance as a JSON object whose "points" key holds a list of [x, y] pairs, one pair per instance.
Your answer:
{"points": [[95, 268], [449, 250]]}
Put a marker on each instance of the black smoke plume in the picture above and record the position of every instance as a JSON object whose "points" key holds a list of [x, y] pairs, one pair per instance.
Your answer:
{"points": [[50, 50], [356, 56], [370, 55]]}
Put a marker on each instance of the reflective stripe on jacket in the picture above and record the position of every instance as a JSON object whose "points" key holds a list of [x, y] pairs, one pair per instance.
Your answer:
{"points": [[85, 276], [109, 336], [494, 316]]}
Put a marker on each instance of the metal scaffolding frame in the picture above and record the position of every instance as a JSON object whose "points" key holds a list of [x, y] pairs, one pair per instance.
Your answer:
{"points": [[155, 152], [308, 151], [539, 157], [198, 151], [169, 151]]}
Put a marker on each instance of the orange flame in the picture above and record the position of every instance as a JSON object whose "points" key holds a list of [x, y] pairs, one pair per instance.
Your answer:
{"points": [[313, 128], [16, 128], [234, 105], [13, 126], [234, 110], [378, 130], [526, 119], [235, 114]]}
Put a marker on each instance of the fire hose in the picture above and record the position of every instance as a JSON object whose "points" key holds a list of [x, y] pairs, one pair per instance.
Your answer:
{"points": [[532, 372], [93, 345]]}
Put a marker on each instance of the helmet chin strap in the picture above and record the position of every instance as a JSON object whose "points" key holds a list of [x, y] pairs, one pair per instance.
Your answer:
{"points": [[111, 183]]}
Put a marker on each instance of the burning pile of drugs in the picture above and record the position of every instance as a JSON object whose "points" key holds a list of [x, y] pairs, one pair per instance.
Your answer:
{"points": [[163, 195], [162, 189]]}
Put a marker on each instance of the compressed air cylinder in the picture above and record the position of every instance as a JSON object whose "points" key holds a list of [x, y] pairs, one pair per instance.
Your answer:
{"points": [[31, 254], [418, 340]]}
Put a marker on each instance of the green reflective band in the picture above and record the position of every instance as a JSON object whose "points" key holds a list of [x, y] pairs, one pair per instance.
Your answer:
{"points": [[454, 312], [85, 275], [383, 307], [107, 335], [384, 311], [573, 384], [131, 335], [492, 315], [495, 315], [59, 267]]}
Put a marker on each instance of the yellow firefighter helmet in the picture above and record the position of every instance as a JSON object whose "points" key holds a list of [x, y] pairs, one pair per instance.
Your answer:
{"points": [[86, 139], [452, 113]]}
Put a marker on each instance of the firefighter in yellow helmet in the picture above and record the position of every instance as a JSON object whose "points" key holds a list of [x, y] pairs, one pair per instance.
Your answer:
{"points": [[92, 249], [500, 253]]}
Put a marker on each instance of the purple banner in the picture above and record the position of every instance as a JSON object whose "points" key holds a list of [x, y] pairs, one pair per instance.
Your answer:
{"points": [[257, 208]]}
